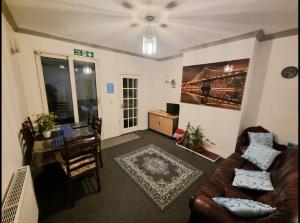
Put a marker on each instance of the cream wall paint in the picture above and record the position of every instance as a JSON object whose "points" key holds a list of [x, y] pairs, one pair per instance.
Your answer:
{"points": [[14, 108], [170, 69], [279, 103], [221, 125], [111, 66], [251, 98]]}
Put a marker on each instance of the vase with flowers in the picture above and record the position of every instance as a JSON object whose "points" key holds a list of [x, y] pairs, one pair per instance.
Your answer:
{"points": [[45, 123]]}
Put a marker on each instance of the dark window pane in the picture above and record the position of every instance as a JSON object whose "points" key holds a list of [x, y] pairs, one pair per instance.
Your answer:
{"points": [[125, 83], [130, 122], [130, 82], [125, 113], [131, 93], [130, 113], [130, 103], [135, 121], [135, 83], [125, 103], [85, 77], [58, 88], [135, 93], [125, 93], [126, 123]]}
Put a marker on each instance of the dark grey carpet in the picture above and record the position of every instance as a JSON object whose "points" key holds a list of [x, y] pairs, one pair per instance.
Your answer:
{"points": [[108, 143], [121, 199]]}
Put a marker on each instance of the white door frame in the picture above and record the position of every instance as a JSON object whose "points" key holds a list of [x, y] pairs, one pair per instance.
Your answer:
{"points": [[98, 82], [137, 127], [70, 59]]}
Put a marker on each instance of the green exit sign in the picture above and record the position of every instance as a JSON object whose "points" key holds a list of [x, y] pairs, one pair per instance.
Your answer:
{"points": [[83, 53]]}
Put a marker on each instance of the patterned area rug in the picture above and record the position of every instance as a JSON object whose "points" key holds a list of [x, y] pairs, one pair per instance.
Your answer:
{"points": [[161, 175]]}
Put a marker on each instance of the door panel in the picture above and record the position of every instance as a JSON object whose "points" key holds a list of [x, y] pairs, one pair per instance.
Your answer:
{"points": [[85, 78], [68, 86], [154, 122], [129, 113], [58, 89], [166, 126]]}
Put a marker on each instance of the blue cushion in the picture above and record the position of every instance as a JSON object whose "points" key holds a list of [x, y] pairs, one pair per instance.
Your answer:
{"points": [[261, 138], [244, 207], [260, 155], [250, 179]]}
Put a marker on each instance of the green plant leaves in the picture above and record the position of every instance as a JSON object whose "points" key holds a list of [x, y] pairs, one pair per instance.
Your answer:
{"points": [[45, 122]]}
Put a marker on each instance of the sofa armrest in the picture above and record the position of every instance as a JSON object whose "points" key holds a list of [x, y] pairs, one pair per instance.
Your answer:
{"points": [[204, 208]]}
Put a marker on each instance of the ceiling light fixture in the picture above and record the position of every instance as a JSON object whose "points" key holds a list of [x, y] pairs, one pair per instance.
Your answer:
{"points": [[149, 39]]}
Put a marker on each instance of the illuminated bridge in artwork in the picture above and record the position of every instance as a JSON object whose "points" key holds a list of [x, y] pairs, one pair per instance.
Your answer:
{"points": [[215, 87]]}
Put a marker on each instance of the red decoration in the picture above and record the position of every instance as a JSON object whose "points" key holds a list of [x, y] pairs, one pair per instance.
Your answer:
{"points": [[178, 135]]}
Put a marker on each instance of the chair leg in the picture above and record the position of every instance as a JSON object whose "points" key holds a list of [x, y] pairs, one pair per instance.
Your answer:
{"points": [[100, 156], [71, 193], [98, 180]]}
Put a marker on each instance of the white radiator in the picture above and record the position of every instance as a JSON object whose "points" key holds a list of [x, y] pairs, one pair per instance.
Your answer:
{"points": [[20, 204]]}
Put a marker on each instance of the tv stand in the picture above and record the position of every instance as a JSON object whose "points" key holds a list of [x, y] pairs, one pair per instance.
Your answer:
{"points": [[161, 121]]}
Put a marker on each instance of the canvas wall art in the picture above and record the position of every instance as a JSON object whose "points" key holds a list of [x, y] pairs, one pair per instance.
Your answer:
{"points": [[218, 84]]}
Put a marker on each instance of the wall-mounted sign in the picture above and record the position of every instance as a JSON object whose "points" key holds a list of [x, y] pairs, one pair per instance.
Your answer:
{"points": [[83, 53], [110, 88]]}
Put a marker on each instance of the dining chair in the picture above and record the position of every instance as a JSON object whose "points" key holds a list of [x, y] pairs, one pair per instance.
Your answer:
{"points": [[31, 128], [79, 158], [26, 140], [97, 126], [84, 124]]}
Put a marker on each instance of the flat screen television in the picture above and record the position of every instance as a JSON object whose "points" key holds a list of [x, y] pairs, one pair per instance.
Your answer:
{"points": [[173, 109]]}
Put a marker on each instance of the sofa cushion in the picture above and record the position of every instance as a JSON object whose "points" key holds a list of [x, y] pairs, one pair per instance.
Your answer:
{"points": [[255, 180], [244, 207], [260, 155], [263, 138]]}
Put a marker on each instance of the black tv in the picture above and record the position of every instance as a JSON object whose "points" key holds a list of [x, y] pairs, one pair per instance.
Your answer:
{"points": [[173, 109]]}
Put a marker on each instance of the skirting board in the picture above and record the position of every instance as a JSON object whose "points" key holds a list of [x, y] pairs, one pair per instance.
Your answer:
{"points": [[197, 153]]}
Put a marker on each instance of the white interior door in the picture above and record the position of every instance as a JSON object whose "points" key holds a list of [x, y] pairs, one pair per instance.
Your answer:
{"points": [[129, 103], [69, 86]]}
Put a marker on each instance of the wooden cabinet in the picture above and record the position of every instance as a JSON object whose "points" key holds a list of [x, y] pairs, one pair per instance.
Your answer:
{"points": [[162, 122]]}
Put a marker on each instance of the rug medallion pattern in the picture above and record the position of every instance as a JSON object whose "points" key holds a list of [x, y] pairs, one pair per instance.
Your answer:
{"points": [[161, 175]]}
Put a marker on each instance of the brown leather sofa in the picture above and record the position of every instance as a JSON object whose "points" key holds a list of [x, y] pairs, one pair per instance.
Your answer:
{"points": [[284, 175]]}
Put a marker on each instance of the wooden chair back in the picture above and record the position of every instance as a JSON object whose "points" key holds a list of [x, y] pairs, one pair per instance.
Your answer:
{"points": [[90, 119], [78, 149], [98, 126], [31, 128], [26, 143]]}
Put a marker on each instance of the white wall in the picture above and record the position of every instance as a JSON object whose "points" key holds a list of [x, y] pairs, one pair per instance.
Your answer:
{"points": [[279, 103], [221, 125], [14, 108], [111, 66], [168, 70], [269, 100]]}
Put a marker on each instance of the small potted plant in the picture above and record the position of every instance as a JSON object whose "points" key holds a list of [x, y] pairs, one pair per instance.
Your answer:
{"points": [[194, 138], [45, 123], [199, 139]]}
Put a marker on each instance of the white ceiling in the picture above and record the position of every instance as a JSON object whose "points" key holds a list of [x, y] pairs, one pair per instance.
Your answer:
{"points": [[189, 22]]}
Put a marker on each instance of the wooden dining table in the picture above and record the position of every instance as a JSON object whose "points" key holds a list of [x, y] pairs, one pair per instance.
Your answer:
{"points": [[43, 151]]}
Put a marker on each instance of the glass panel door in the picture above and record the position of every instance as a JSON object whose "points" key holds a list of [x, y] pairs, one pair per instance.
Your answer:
{"points": [[130, 104], [85, 78], [58, 88]]}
